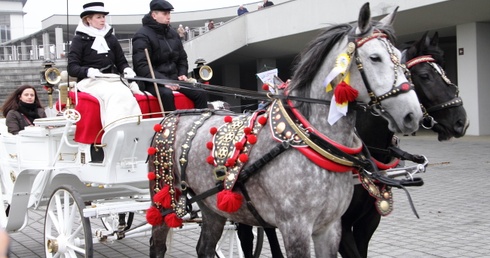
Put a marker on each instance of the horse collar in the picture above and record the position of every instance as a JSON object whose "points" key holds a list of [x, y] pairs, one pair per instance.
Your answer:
{"points": [[288, 125]]}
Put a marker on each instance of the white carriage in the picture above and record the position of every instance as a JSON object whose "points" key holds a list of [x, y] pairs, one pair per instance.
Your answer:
{"points": [[43, 166]]}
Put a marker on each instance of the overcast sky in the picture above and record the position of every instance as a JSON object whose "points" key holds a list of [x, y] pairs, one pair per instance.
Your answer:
{"points": [[38, 10]]}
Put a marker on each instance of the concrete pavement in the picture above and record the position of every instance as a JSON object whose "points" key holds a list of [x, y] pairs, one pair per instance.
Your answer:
{"points": [[453, 205]]}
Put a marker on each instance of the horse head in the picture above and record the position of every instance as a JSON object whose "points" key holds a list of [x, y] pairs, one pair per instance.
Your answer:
{"points": [[444, 111], [364, 59]]}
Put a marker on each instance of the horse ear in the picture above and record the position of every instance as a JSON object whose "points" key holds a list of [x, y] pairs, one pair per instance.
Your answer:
{"points": [[435, 40], [424, 42], [389, 19], [364, 21]]}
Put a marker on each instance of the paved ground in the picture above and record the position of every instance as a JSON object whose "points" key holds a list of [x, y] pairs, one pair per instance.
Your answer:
{"points": [[453, 205]]}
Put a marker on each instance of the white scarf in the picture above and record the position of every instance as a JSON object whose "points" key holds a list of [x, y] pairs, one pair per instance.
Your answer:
{"points": [[100, 45]]}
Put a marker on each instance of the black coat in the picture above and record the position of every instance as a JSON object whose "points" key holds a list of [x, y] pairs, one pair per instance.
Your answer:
{"points": [[82, 56], [16, 121], [167, 54]]}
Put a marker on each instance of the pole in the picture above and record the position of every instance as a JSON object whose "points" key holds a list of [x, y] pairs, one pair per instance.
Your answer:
{"points": [[154, 83]]}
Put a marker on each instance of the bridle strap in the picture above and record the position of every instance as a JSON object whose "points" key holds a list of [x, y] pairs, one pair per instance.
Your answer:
{"points": [[455, 102], [396, 90]]}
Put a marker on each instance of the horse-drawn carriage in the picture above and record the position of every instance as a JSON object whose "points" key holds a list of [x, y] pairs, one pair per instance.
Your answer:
{"points": [[44, 166]]}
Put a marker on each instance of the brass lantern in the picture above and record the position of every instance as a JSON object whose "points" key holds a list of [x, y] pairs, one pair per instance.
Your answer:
{"points": [[202, 72]]}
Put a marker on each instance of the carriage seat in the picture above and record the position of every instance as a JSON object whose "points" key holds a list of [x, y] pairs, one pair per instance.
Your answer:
{"points": [[90, 123]]}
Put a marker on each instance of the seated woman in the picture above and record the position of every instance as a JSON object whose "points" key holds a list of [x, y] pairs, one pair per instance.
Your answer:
{"points": [[95, 51], [21, 108]]}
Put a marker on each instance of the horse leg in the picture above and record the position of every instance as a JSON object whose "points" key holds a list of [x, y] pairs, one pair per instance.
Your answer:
{"points": [[296, 238], [327, 241], [211, 231], [246, 239], [158, 241], [347, 246], [273, 242], [364, 229]]}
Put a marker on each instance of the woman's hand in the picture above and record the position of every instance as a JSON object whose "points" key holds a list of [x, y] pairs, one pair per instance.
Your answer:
{"points": [[92, 73]]}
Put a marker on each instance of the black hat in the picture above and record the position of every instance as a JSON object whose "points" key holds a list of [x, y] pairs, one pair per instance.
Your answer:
{"points": [[160, 5], [92, 8]]}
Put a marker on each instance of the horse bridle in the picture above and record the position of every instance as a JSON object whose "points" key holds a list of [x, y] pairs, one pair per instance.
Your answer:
{"points": [[428, 121], [395, 90]]}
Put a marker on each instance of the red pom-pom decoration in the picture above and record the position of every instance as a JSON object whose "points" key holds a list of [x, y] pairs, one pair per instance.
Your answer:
{"points": [[151, 176], [252, 139], [230, 163], [157, 127], [243, 157], [153, 216], [239, 146], [213, 130], [210, 160], [262, 120], [247, 130], [173, 221], [265, 87], [228, 119], [152, 151], [229, 201], [209, 145], [163, 197], [345, 93]]}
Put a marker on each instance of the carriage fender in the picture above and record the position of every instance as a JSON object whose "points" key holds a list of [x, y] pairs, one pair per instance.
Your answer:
{"points": [[20, 199]]}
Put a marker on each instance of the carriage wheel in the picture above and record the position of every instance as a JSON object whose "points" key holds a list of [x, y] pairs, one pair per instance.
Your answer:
{"points": [[112, 224], [229, 240], [66, 232]]}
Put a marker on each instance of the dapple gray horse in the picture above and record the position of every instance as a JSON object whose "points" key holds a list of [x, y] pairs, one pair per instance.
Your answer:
{"points": [[304, 200]]}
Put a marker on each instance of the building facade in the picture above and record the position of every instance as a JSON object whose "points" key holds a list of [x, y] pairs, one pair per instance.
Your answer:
{"points": [[273, 37]]}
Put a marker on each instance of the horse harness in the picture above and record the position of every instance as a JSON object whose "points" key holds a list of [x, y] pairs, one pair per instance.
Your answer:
{"points": [[232, 144], [428, 121]]}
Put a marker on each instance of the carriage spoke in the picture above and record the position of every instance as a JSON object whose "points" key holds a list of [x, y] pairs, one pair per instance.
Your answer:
{"points": [[77, 249], [54, 220]]}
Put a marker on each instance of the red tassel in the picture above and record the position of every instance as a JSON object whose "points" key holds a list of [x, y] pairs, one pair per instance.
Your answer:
{"points": [[157, 127], [252, 139], [209, 145], [152, 151], [262, 120], [230, 163], [345, 93], [213, 130], [265, 87], [229, 201], [228, 119], [153, 216], [243, 157], [163, 197], [247, 130], [210, 160], [151, 176], [173, 221], [239, 146]]}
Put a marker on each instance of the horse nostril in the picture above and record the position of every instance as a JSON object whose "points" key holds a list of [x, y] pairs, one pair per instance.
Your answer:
{"points": [[408, 118]]}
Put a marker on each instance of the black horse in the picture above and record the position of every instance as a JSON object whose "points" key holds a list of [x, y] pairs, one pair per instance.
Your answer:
{"points": [[445, 115]]}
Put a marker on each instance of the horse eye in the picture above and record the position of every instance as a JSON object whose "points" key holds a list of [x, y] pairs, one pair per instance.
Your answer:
{"points": [[424, 76], [375, 58]]}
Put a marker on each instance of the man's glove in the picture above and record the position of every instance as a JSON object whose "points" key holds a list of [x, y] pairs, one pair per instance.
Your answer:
{"points": [[92, 73], [129, 73]]}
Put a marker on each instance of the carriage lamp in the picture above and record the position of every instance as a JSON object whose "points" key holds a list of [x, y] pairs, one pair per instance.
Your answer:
{"points": [[202, 72], [49, 77]]}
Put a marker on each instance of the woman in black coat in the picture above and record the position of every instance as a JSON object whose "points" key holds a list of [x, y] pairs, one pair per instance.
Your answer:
{"points": [[21, 108], [96, 52]]}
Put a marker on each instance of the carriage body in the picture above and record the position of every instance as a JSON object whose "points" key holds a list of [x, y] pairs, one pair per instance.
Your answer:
{"points": [[43, 158]]}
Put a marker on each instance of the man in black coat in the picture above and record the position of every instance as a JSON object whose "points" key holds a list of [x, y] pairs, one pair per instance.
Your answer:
{"points": [[168, 57]]}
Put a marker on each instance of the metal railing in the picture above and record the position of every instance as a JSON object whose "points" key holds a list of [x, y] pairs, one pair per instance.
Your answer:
{"points": [[37, 52]]}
